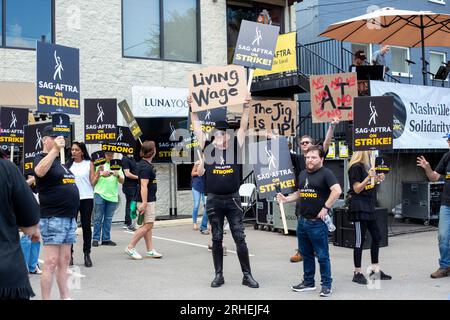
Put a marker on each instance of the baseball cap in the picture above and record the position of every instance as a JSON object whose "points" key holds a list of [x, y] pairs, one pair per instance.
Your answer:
{"points": [[222, 125], [48, 132], [447, 136], [360, 55]]}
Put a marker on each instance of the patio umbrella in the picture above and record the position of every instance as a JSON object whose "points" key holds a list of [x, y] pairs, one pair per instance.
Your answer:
{"points": [[390, 26]]}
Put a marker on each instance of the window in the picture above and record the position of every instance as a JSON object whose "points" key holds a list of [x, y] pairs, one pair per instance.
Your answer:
{"points": [[436, 60], [399, 67], [161, 29], [26, 21]]}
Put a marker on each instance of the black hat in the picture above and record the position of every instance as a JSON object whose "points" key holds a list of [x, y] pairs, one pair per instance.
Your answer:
{"points": [[360, 55], [222, 125], [48, 132]]}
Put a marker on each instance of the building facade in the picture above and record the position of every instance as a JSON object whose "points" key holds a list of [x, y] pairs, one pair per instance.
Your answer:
{"points": [[127, 43]]}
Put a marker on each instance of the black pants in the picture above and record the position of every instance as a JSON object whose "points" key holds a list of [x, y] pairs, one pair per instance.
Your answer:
{"points": [[129, 194], [361, 228], [86, 206], [217, 208]]}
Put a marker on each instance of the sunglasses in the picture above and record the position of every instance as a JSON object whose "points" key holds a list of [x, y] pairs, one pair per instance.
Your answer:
{"points": [[305, 143]]}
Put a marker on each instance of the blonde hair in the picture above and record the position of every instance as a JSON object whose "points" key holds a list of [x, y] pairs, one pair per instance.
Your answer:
{"points": [[360, 157]]}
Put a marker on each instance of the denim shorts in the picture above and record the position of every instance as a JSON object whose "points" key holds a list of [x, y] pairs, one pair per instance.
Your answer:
{"points": [[58, 230]]}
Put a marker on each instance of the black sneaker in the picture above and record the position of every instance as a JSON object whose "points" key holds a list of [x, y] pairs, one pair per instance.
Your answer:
{"points": [[380, 275], [325, 292], [131, 228], [359, 278], [109, 243], [302, 287], [95, 243]]}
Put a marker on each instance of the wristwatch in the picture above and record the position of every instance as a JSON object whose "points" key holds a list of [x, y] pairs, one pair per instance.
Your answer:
{"points": [[325, 207]]}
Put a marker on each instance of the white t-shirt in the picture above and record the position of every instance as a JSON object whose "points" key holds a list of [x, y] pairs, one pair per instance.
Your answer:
{"points": [[81, 171]]}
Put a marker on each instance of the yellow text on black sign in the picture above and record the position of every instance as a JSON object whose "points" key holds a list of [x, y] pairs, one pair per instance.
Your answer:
{"points": [[272, 186], [118, 149], [100, 136], [11, 139]]}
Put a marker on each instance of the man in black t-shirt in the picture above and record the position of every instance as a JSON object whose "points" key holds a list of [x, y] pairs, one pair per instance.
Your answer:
{"points": [[59, 200], [129, 167], [442, 169], [298, 161], [222, 169], [318, 191]]}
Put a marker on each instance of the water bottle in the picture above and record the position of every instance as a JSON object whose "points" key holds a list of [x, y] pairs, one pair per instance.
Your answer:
{"points": [[329, 222]]}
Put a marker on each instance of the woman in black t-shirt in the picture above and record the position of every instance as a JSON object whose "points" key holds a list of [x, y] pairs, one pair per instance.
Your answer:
{"points": [[362, 213]]}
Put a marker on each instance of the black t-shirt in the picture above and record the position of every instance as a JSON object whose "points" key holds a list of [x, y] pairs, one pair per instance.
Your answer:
{"points": [[314, 190], [222, 170], [145, 170], [18, 208], [365, 200], [129, 163], [443, 168], [58, 193]]}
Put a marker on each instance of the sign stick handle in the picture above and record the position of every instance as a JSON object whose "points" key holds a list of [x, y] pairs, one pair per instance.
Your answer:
{"points": [[372, 166], [283, 218], [62, 156], [140, 140], [11, 156], [199, 155], [250, 78]]}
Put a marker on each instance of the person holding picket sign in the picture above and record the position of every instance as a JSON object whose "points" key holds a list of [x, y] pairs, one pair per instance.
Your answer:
{"points": [[362, 213], [318, 190], [85, 178], [222, 170], [59, 202], [299, 164], [145, 197], [106, 198]]}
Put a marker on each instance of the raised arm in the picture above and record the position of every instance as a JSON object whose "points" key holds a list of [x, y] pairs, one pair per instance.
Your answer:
{"points": [[197, 126], [432, 175], [330, 134], [244, 120]]}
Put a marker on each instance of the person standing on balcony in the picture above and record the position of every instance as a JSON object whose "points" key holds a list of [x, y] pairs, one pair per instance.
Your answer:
{"points": [[379, 57], [359, 60], [298, 161]]}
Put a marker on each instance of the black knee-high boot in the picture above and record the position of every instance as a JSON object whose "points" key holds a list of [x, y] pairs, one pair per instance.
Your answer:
{"points": [[247, 280], [218, 267]]}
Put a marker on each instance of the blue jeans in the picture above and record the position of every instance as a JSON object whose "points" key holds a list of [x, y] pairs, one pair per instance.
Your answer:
{"points": [[30, 252], [103, 213], [444, 237], [313, 238], [197, 195]]}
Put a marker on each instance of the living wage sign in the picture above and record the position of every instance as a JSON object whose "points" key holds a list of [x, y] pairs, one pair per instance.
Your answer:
{"points": [[256, 45], [332, 96], [215, 87], [57, 78]]}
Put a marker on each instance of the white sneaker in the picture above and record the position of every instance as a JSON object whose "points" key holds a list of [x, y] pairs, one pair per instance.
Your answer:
{"points": [[133, 253], [153, 254]]}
